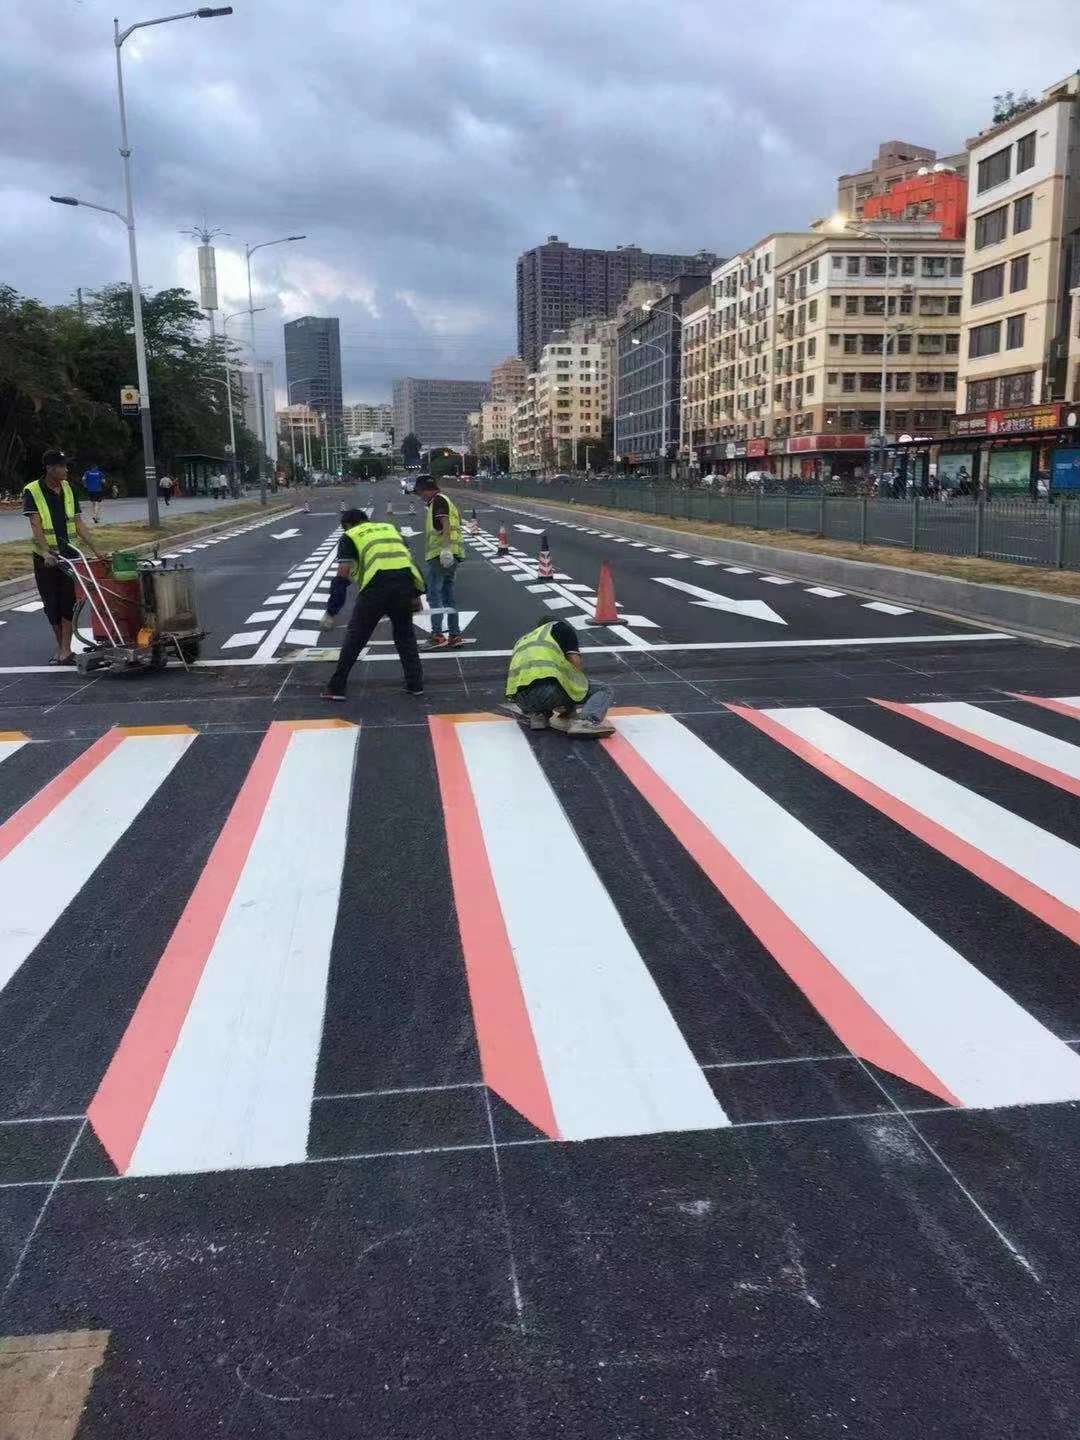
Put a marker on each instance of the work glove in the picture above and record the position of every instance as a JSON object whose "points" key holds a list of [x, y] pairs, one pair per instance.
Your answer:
{"points": [[327, 622], [446, 559]]}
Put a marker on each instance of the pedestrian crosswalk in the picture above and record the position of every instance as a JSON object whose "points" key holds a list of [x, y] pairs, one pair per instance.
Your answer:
{"points": [[578, 1008]]}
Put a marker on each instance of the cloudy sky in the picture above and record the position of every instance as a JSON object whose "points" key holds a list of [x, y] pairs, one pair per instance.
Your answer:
{"points": [[422, 144]]}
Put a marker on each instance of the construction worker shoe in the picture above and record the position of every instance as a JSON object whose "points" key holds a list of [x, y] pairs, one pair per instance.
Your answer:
{"points": [[592, 728], [332, 693], [539, 722], [561, 723], [413, 689], [454, 642], [437, 642]]}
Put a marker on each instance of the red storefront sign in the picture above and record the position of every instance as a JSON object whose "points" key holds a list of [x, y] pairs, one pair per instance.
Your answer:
{"points": [[800, 443], [1010, 422], [757, 447]]}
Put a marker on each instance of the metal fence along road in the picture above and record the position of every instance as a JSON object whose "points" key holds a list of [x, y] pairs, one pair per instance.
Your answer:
{"points": [[1023, 532]]}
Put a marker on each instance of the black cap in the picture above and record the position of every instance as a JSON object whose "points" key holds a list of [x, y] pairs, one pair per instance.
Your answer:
{"points": [[55, 457], [425, 482], [349, 518]]}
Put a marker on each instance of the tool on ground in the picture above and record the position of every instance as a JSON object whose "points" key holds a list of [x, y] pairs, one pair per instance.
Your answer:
{"points": [[141, 611], [606, 613], [504, 543], [545, 569]]}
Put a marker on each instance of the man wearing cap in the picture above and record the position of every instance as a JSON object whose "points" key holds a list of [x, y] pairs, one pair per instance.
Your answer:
{"points": [[443, 553], [374, 555], [53, 511], [547, 685]]}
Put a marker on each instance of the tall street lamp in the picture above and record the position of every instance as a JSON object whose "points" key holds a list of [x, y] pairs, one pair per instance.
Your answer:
{"points": [[128, 219], [249, 250]]}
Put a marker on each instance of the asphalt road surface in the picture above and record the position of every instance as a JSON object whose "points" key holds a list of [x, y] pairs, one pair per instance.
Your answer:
{"points": [[400, 1072], [113, 512]]}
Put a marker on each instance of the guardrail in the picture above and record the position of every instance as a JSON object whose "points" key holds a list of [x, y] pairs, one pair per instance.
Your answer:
{"points": [[1023, 532]]}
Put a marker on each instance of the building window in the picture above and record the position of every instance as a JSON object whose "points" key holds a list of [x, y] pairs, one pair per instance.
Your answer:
{"points": [[809, 384], [869, 381], [1018, 275], [956, 266], [907, 304], [931, 344], [838, 262], [1025, 152], [811, 313], [871, 344], [875, 265], [868, 419], [902, 380], [832, 377], [993, 226], [873, 304], [1022, 214], [851, 344], [933, 267], [834, 339], [814, 271], [853, 264], [995, 169], [849, 382], [1014, 332], [836, 301], [847, 420], [902, 344], [953, 306], [1018, 389], [952, 344], [811, 349], [899, 420], [949, 380], [928, 380], [988, 284], [851, 304], [980, 395], [932, 304], [984, 340], [907, 265]]}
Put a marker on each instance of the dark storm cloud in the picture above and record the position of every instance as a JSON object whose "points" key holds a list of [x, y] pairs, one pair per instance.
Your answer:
{"points": [[422, 145]]}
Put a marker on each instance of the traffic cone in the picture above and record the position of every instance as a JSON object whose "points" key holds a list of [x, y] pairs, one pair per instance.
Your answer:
{"points": [[606, 613], [546, 570], [504, 543]]}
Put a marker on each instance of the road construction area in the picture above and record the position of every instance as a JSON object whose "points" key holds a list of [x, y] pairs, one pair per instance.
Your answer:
{"points": [[389, 1070]]}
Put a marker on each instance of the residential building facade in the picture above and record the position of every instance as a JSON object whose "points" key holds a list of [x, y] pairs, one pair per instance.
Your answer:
{"points": [[648, 378], [261, 376], [508, 380], [571, 383], [896, 161], [1024, 214], [558, 284], [361, 417], [495, 419], [694, 409], [375, 442], [436, 411], [524, 437], [854, 311], [313, 367], [930, 197]]}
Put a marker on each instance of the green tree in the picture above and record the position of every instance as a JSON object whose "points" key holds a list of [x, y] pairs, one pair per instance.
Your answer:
{"points": [[410, 449], [1007, 105], [367, 466], [497, 454]]}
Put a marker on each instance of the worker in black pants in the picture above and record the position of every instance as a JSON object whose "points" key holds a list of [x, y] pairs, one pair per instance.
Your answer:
{"points": [[374, 555]]}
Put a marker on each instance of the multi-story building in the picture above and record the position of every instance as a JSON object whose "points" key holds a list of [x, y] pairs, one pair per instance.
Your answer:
{"points": [[359, 418], [740, 389], [854, 308], [1024, 214], [313, 367], [257, 388], [435, 411], [937, 197], [524, 438], [558, 284], [495, 419], [374, 442], [571, 383], [508, 380], [694, 410], [896, 161], [648, 381]]}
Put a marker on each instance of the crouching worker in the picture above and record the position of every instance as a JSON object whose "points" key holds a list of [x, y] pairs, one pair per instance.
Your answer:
{"points": [[375, 556], [547, 685]]}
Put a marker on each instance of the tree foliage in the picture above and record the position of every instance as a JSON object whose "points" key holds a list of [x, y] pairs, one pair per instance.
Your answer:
{"points": [[62, 369], [410, 449]]}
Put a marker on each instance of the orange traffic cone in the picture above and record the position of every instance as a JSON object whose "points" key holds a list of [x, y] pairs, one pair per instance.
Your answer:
{"points": [[504, 543], [606, 613], [545, 570]]}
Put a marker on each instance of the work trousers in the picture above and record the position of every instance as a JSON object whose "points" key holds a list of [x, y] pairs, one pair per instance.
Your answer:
{"points": [[391, 593], [440, 594], [544, 697]]}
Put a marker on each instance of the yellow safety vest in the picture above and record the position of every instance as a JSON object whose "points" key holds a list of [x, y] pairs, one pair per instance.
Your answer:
{"points": [[433, 538], [380, 547], [37, 494], [538, 657]]}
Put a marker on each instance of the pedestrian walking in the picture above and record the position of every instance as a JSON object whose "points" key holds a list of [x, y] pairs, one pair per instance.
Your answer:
{"points": [[374, 555], [443, 553], [53, 511], [165, 490], [546, 683], [94, 483]]}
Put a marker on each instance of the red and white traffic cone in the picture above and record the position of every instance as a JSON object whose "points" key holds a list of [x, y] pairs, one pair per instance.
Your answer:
{"points": [[504, 543], [606, 613], [546, 570]]}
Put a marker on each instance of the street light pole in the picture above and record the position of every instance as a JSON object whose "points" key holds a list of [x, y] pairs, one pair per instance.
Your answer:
{"points": [[249, 250]]}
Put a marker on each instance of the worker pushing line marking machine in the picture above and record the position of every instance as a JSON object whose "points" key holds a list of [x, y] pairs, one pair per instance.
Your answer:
{"points": [[141, 611]]}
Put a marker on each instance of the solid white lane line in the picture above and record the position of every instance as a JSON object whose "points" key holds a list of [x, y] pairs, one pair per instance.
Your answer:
{"points": [[71, 839], [1040, 858], [613, 1057], [986, 1049], [238, 1087], [885, 609], [289, 614]]}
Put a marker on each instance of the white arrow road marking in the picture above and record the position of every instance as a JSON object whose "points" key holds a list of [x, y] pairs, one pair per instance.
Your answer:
{"points": [[285, 535], [465, 618], [529, 529], [709, 600]]}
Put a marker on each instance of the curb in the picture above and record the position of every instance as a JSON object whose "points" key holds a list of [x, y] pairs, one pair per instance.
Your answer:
{"points": [[1042, 616], [24, 584]]}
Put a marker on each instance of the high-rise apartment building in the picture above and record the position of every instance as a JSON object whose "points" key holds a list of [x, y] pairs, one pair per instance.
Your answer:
{"points": [[313, 367], [896, 160], [571, 383], [694, 409], [524, 436], [358, 419], [558, 283], [436, 411], [508, 380], [1022, 244]]}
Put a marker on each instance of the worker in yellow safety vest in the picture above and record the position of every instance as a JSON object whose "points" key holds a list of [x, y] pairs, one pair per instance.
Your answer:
{"points": [[443, 553], [547, 684], [374, 555], [52, 508]]}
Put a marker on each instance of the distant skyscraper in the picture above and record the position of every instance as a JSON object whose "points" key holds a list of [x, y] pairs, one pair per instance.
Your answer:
{"points": [[435, 411], [313, 367], [362, 416], [557, 284]]}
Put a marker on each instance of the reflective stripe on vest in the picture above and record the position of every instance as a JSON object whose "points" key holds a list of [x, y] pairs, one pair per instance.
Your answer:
{"points": [[380, 547], [37, 494], [538, 657], [433, 538]]}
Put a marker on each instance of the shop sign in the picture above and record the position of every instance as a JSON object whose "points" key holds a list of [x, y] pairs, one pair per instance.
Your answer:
{"points": [[1009, 471], [1066, 470], [757, 447], [799, 444], [1009, 422]]}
